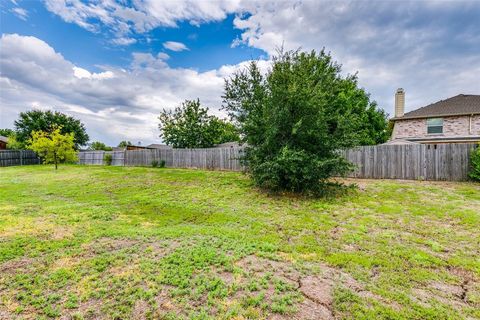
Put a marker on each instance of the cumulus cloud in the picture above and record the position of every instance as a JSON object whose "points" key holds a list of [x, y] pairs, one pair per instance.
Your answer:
{"points": [[428, 47], [81, 73], [174, 46], [139, 16], [416, 45], [127, 101]]}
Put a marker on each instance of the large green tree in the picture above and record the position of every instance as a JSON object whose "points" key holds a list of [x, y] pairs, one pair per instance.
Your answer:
{"points": [[6, 132], [47, 121], [98, 146], [297, 117], [190, 126], [223, 131], [124, 144]]}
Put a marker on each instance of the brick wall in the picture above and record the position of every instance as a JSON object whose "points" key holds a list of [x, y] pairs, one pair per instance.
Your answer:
{"points": [[452, 127], [476, 125]]}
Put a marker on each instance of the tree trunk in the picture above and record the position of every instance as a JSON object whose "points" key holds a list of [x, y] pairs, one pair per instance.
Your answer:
{"points": [[55, 160]]}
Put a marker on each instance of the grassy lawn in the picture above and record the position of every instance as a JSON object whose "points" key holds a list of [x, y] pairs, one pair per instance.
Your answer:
{"points": [[144, 243]]}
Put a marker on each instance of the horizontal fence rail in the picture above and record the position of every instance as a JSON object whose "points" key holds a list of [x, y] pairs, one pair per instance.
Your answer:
{"points": [[18, 158], [450, 162]]}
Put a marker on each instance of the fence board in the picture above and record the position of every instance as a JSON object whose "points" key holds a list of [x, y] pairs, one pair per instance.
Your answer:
{"points": [[422, 162]]}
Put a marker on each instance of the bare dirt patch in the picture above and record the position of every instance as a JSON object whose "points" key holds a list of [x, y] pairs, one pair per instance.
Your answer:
{"points": [[317, 289], [140, 310], [16, 265], [164, 304], [456, 294]]}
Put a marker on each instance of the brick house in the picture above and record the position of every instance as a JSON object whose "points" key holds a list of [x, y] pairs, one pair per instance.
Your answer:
{"points": [[453, 120], [3, 142]]}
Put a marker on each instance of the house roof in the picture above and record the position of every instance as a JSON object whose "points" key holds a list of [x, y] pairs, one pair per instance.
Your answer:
{"points": [[462, 104], [4, 139]]}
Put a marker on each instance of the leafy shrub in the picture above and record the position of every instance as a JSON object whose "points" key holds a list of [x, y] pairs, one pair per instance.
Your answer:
{"points": [[158, 164], [297, 171], [296, 118], [475, 160], [107, 158]]}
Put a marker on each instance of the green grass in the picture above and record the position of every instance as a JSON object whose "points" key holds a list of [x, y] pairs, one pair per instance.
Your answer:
{"points": [[146, 243]]}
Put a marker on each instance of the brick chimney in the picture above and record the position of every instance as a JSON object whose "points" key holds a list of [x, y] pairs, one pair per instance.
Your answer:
{"points": [[399, 103]]}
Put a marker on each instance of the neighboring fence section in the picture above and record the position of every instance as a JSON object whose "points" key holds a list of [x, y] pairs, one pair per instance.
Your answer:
{"points": [[98, 157], [208, 158], [449, 162], [18, 158], [423, 162]]}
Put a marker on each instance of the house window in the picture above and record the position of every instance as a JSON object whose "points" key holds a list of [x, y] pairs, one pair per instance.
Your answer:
{"points": [[434, 125]]}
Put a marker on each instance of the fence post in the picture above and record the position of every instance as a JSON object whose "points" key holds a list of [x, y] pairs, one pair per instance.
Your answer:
{"points": [[21, 157]]}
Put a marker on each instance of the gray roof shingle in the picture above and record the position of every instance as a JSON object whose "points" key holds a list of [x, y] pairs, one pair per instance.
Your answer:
{"points": [[462, 104]]}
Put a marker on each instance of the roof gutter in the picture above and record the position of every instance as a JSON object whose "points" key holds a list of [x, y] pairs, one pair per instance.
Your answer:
{"points": [[434, 116]]}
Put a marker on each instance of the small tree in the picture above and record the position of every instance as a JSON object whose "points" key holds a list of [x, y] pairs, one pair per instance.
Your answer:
{"points": [[13, 143], [54, 147], [475, 166], [190, 126]]}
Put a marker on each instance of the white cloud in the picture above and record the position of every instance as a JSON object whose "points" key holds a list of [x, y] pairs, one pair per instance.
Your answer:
{"points": [[115, 104], [419, 46], [391, 46], [124, 41], [174, 46], [428, 48], [20, 12], [140, 16], [81, 73]]}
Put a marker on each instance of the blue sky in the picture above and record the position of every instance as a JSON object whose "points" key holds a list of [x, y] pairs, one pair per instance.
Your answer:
{"points": [[115, 64], [209, 45]]}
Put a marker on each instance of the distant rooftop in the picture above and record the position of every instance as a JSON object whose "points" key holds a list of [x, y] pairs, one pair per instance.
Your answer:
{"points": [[159, 146], [4, 139], [462, 104]]}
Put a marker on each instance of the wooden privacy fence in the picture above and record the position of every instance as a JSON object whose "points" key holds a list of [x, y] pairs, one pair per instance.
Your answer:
{"points": [[449, 162], [18, 158], [415, 162], [208, 158]]}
